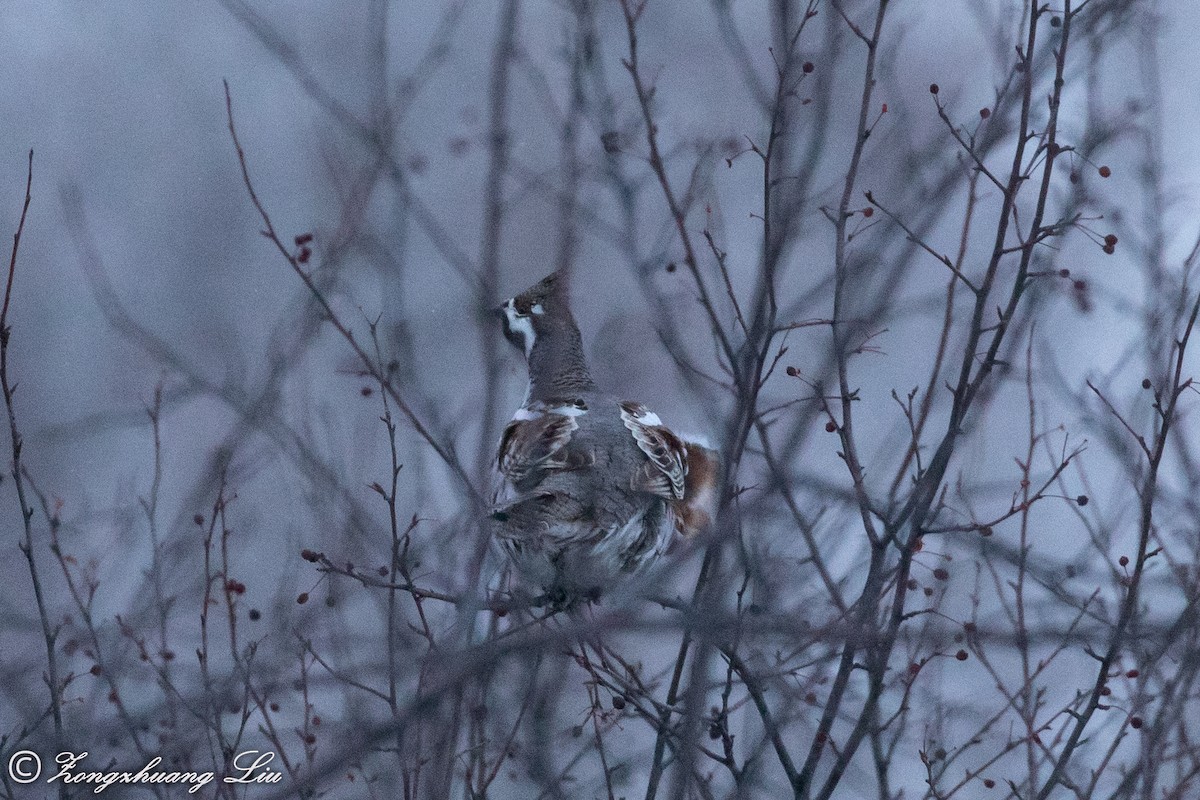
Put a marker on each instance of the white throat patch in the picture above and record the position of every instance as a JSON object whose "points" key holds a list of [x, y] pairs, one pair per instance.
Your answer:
{"points": [[520, 325]]}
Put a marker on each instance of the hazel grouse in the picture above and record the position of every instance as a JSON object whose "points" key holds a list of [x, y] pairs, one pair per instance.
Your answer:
{"points": [[593, 488]]}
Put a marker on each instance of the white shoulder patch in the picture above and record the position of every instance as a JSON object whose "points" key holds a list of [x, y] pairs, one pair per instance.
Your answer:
{"points": [[526, 414], [650, 418], [568, 411]]}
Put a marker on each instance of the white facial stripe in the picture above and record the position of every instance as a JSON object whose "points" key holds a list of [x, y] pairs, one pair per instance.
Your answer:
{"points": [[520, 325], [537, 310], [569, 411]]}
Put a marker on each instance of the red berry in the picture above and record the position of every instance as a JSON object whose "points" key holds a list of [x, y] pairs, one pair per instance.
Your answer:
{"points": [[986, 530], [1109, 249], [793, 372], [984, 113], [961, 655], [934, 88], [1082, 500], [95, 670], [1135, 722], [1133, 673], [928, 592], [255, 615], [868, 212], [1064, 273], [831, 426], [989, 783], [198, 519], [1146, 384], [303, 598], [1105, 172], [808, 67], [1110, 239], [1123, 561], [941, 574], [1080, 285]]}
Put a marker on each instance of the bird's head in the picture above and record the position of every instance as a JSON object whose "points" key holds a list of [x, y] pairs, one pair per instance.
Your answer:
{"points": [[536, 312]]}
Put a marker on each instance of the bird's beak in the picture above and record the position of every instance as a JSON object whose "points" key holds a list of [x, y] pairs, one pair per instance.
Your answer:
{"points": [[498, 311]]}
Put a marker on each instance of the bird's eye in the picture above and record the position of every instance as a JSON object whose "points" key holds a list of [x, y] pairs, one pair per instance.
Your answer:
{"points": [[522, 306]]}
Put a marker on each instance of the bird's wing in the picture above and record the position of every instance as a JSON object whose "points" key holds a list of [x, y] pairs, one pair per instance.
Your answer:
{"points": [[666, 473], [530, 445]]}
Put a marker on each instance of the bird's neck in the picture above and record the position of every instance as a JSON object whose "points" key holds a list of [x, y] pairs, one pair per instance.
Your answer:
{"points": [[557, 367]]}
